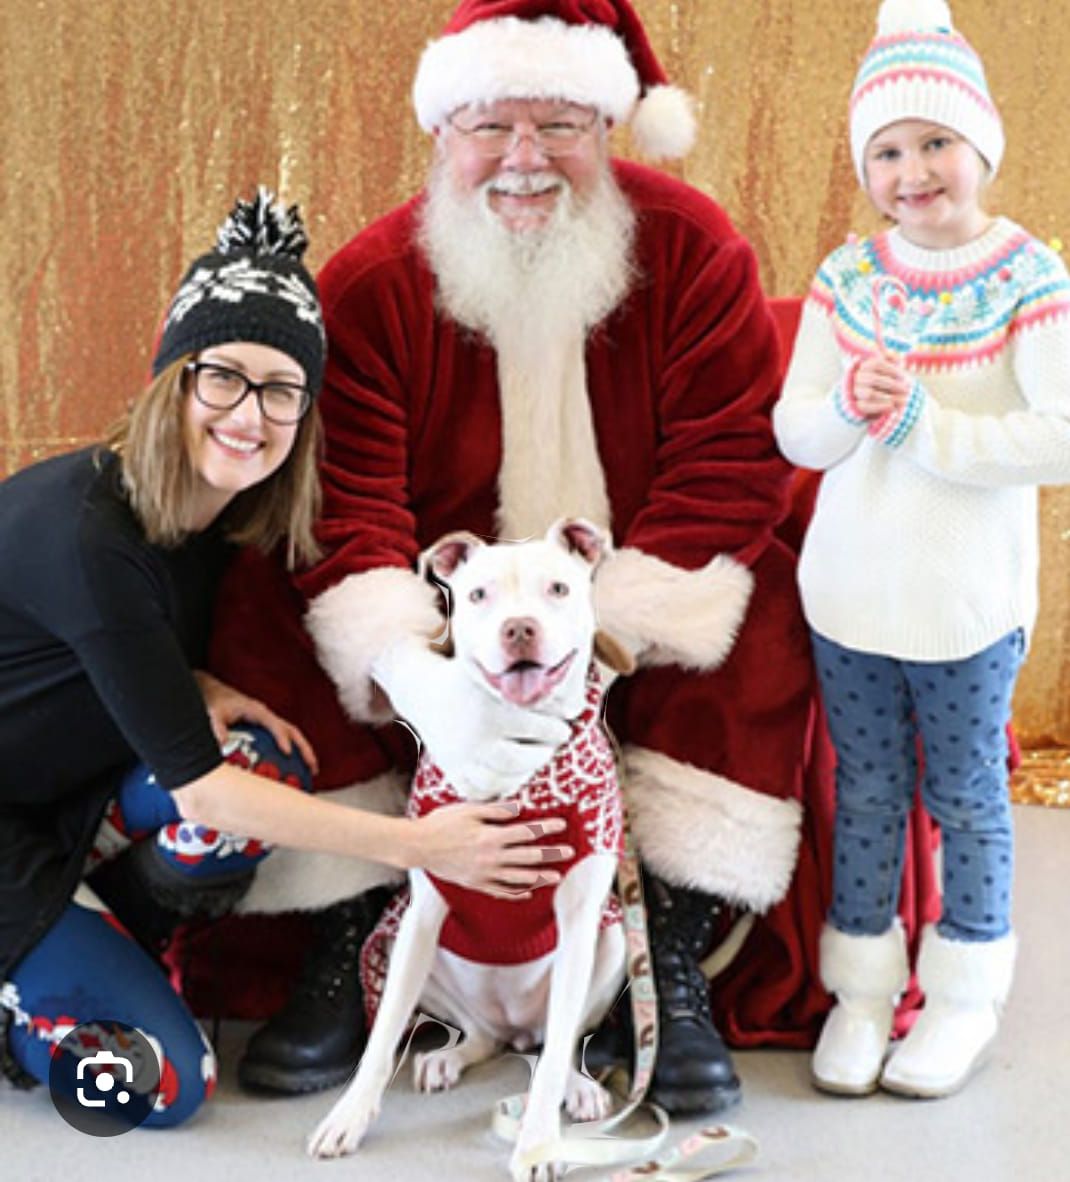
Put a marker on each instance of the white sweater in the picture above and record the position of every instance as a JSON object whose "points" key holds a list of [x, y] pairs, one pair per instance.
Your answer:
{"points": [[923, 543]]}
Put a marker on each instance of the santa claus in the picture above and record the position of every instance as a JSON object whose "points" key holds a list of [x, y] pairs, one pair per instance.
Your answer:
{"points": [[545, 331]]}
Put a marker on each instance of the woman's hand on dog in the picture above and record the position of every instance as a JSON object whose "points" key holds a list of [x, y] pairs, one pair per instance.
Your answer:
{"points": [[471, 845]]}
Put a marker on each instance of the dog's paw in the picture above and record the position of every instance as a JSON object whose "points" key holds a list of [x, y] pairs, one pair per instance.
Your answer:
{"points": [[436, 1071], [536, 1142], [547, 1171], [341, 1130], [585, 1098]]}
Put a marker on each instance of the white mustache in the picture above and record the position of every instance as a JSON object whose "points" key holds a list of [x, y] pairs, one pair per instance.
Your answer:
{"points": [[521, 184]]}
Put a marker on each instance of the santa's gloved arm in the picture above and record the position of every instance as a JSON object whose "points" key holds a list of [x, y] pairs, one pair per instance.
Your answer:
{"points": [[663, 614], [372, 634], [359, 619]]}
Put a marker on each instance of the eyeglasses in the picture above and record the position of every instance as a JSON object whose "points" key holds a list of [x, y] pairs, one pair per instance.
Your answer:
{"points": [[555, 137], [222, 388]]}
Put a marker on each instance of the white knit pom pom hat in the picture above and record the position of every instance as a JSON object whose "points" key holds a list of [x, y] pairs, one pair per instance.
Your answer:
{"points": [[919, 67], [592, 52]]}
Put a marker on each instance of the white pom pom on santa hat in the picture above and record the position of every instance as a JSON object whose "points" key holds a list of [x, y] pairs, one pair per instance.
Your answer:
{"points": [[592, 52], [901, 16], [663, 126]]}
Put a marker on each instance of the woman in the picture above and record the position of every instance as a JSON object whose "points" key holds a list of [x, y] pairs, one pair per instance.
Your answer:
{"points": [[109, 735]]}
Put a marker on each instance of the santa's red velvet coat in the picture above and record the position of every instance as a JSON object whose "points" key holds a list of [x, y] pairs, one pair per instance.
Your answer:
{"points": [[681, 378]]}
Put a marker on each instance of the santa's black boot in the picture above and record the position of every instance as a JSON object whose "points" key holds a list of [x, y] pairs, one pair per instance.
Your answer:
{"points": [[316, 1040], [694, 1071]]}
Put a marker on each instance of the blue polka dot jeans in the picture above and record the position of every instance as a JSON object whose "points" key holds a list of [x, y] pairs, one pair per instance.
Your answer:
{"points": [[888, 717]]}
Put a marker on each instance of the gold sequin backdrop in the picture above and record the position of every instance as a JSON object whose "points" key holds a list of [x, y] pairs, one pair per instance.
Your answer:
{"points": [[127, 128]]}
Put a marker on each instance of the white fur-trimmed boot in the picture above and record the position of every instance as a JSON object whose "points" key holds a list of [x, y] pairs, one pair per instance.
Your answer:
{"points": [[965, 985], [867, 974]]}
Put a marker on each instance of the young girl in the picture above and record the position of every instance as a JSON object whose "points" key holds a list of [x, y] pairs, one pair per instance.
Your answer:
{"points": [[110, 736], [931, 384]]}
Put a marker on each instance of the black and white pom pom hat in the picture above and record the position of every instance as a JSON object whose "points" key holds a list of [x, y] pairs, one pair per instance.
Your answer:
{"points": [[252, 286]]}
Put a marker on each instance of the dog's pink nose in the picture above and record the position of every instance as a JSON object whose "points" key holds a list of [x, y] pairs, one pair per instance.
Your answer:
{"points": [[519, 634]]}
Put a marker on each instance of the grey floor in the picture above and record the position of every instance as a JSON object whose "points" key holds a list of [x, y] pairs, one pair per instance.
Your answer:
{"points": [[1011, 1122]]}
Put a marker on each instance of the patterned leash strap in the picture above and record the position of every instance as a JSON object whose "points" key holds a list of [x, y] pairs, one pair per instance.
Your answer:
{"points": [[712, 1150]]}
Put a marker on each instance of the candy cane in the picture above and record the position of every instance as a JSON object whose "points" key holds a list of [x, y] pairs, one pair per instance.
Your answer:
{"points": [[897, 300]]}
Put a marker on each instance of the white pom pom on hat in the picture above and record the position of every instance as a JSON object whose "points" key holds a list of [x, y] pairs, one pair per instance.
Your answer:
{"points": [[899, 16], [919, 67], [592, 52], [663, 125]]}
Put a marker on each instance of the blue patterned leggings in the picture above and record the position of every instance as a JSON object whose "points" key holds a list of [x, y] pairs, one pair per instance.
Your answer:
{"points": [[88, 967], [881, 712]]}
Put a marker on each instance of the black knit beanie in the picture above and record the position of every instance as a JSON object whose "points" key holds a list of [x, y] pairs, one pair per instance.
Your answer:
{"points": [[251, 287]]}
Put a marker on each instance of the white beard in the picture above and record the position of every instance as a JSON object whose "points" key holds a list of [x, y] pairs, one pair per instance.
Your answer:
{"points": [[536, 295]]}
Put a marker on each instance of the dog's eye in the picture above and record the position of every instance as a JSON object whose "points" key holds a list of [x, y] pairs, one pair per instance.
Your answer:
{"points": [[477, 595], [559, 590]]}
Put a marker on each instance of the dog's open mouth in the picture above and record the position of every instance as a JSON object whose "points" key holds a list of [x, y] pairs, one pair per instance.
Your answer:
{"points": [[526, 682]]}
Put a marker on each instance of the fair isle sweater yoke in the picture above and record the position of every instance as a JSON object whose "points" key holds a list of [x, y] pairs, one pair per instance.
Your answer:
{"points": [[923, 543]]}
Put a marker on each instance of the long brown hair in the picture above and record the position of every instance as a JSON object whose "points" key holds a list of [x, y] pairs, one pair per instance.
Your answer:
{"points": [[160, 480]]}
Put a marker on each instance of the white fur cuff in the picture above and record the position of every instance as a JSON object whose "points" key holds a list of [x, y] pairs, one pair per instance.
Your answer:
{"points": [[356, 621], [669, 615], [864, 966], [966, 973], [696, 829]]}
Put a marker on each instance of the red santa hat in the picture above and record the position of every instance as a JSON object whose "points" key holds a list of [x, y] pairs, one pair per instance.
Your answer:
{"points": [[592, 52]]}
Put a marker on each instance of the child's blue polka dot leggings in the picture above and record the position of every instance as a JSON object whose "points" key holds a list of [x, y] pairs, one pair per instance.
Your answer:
{"points": [[884, 716]]}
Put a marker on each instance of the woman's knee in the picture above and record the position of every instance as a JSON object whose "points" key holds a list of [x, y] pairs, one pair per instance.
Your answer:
{"points": [[197, 853], [188, 1073], [84, 956], [254, 748]]}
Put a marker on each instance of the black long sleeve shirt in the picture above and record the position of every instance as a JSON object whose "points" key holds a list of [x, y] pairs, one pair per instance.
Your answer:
{"points": [[99, 634]]}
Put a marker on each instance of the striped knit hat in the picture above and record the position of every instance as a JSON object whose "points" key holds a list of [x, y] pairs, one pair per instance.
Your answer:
{"points": [[919, 67]]}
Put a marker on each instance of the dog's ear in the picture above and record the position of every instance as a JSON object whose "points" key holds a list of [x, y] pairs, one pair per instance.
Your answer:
{"points": [[443, 558], [609, 650], [582, 537], [443, 646]]}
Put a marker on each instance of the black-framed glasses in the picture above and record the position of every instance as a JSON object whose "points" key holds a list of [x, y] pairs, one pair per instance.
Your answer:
{"points": [[553, 137], [222, 388]]}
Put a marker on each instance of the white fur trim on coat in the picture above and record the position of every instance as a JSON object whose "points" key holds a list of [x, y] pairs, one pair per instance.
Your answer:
{"points": [[356, 621], [511, 58], [862, 966], [669, 615], [696, 829], [298, 880], [966, 973]]}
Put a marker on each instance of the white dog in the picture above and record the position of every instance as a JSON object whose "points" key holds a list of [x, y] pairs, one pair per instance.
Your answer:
{"points": [[523, 623]]}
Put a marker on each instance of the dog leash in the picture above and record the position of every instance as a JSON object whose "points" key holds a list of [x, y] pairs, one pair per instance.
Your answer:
{"points": [[712, 1150]]}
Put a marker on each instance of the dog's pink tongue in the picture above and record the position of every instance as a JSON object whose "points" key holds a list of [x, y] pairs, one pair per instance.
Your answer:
{"points": [[525, 685]]}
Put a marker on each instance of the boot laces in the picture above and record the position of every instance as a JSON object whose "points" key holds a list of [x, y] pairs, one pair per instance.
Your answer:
{"points": [[682, 923], [330, 970]]}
